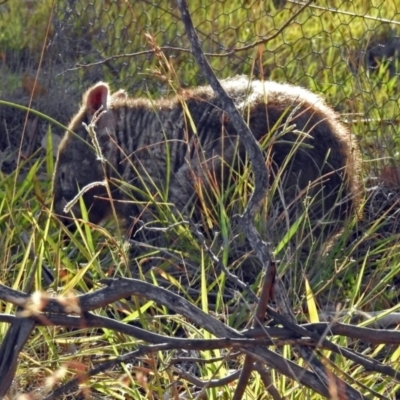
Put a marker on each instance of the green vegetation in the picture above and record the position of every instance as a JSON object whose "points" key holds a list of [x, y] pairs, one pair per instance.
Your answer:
{"points": [[320, 50]]}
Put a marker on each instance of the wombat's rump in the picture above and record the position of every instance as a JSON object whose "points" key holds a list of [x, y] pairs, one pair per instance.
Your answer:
{"points": [[169, 145]]}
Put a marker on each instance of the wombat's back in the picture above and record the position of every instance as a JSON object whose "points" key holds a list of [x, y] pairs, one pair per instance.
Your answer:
{"points": [[307, 147]]}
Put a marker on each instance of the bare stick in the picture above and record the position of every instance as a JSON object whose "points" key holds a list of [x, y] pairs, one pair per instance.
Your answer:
{"points": [[261, 177]]}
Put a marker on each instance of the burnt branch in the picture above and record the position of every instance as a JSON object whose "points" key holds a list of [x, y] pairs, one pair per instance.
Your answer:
{"points": [[117, 289], [267, 381], [19, 331], [261, 249], [251, 342]]}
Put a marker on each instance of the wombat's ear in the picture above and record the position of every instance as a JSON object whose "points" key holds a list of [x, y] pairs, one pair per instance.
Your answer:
{"points": [[96, 97]]}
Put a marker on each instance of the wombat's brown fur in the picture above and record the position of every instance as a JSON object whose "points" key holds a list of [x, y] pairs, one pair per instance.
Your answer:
{"points": [[162, 148]]}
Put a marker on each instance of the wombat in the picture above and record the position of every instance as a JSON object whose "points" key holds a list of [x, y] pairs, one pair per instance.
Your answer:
{"points": [[162, 150]]}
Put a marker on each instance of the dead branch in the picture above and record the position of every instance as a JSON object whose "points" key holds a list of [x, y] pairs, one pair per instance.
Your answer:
{"points": [[262, 250], [251, 342]]}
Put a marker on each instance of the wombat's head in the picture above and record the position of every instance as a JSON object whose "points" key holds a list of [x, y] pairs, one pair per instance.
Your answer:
{"points": [[79, 164]]}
